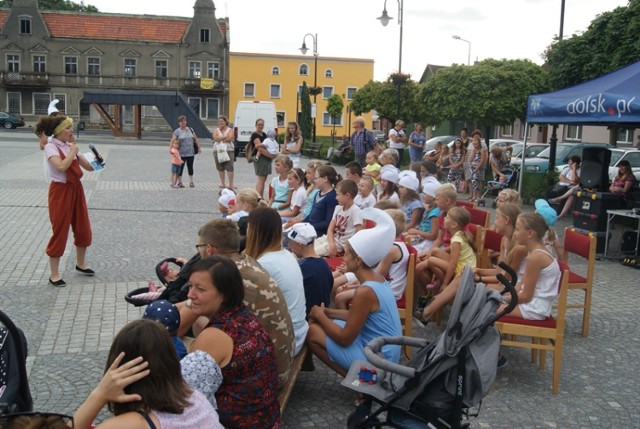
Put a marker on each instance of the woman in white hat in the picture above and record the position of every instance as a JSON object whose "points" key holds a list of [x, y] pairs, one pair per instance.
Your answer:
{"points": [[337, 337]]}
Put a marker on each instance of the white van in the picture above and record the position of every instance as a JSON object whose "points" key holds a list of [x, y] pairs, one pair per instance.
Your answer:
{"points": [[244, 123]]}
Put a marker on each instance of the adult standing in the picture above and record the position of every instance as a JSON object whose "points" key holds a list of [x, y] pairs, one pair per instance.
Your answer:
{"points": [[262, 165], [416, 144], [362, 140], [466, 164], [398, 140], [188, 141], [223, 142], [67, 204], [293, 143]]}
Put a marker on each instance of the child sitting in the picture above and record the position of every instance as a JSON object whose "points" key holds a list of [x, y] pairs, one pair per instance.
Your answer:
{"points": [[226, 202], [168, 315], [353, 171], [389, 185], [372, 169], [408, 188], [424, 236], [365, 197], [345, 222], [281, 198], [298, 186], [550, 239]]}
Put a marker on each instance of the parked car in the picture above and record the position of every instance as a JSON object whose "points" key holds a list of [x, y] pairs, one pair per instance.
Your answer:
{"points": [[503, 142], [533, 150], [379, 134], [631, 155], [540, 164], [10, 121], [431, 143]]}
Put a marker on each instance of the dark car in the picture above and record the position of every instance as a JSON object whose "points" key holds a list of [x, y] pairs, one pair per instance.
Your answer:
{"points": [[10, 121], [540, 164]]}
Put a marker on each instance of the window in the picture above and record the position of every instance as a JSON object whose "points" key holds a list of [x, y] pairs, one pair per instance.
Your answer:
{"points": [[162, 67], [151, 112], [14, 102], [195, 69], [506, 130], [130, 67], [41, 103], [249, 90], [281, 119], [25, 25], [573, 132], [522, 128], [625, 136], [195, 104], [274, 90], [327, 91], [204, 35], [213, 108], [303, 70], [62, 102], [93, 66], [213, 70], [39, 64], [327, 120], [71, 65], [13, 63], [633, 158], [351, 92], [328, 73], [275, 71]]}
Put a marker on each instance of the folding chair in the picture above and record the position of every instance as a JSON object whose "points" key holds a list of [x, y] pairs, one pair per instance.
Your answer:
{"points": [[545, 334], [479, 217], [584, 246]]}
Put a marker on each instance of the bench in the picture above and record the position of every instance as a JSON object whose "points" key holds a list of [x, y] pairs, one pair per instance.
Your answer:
{"points": [[285, 391], [312, 150]]}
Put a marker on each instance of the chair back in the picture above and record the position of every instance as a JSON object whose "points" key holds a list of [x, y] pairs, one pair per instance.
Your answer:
{"points": [[479, 217], [466, 204], [478, 234], [580, 244], [492, 242]]}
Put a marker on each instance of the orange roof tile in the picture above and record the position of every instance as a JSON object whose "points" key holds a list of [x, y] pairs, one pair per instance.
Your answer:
{"points": [[3, 17], [116, 27]]}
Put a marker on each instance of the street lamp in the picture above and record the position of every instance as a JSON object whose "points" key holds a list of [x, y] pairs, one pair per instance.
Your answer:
{"points": [[469, 50], [384, 20], [304, 51]]}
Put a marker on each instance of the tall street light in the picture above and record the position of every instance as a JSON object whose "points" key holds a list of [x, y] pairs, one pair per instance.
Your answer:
{"points": [[468, 51], [384, 20], [304, 51]]}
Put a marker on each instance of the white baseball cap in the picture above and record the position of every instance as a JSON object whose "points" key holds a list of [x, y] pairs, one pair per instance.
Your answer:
{"points": [[303, 233]]}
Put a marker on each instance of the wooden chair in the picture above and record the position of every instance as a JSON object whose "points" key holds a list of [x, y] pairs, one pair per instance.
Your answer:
{"points": [[479, 234], [466, 204], [405, 304], [480, 217], [584, 246], [544, 335], [492, 242]]}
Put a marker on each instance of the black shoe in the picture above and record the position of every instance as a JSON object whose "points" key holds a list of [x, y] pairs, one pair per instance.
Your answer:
{"points": [[85, 271], [502, 361], [57, 283]]}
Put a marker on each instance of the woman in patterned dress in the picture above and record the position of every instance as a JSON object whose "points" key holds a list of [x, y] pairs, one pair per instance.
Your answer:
{"points": [[456, 157]]}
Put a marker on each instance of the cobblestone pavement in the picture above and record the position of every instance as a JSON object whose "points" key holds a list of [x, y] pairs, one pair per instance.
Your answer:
{"points": [[138, 220]]}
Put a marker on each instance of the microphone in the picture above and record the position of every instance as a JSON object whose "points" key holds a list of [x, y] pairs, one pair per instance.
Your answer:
{"points": [[97, 155]]}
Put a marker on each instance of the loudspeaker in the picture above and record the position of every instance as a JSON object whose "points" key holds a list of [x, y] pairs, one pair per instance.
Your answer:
{"points": [[594, 169]]}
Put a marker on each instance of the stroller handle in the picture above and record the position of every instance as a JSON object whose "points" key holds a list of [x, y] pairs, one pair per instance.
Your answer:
{"points": [[372, 350], [509, 287], [159, 273]]}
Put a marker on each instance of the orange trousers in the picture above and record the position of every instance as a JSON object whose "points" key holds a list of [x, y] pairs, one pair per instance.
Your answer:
{"points": [[68, 209]]}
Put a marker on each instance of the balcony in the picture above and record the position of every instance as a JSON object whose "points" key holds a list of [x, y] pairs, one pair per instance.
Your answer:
{"points": [[24, 79]]}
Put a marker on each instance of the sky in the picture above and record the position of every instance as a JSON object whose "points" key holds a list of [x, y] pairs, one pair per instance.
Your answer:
{"points": [[510, 29]]}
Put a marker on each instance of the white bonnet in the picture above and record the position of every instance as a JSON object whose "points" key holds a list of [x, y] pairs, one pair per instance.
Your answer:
{"points": [[374, 243]]}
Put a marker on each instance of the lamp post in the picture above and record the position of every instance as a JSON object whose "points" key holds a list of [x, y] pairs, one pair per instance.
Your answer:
{"points": [[304, 51], [553, 140], [468, 51], [384, 20]]}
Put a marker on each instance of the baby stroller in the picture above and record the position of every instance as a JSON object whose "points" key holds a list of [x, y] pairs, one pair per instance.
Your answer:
{"points": [[174, 291], [495, 186], [445, 377], [15, 396]]}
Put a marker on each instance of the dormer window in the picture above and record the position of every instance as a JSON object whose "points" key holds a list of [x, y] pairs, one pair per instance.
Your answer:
{"points": [[25, 25], [204, 35]]}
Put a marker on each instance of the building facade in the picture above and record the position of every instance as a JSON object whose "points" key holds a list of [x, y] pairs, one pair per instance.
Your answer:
{"points": [[279, 78], [47, 55]]}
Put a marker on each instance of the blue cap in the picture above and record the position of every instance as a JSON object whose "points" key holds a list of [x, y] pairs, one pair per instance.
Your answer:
{"points": [[546, 211], [164, 312]]}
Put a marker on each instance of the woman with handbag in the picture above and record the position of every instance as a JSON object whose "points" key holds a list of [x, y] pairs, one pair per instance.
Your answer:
{"points": [[189, 148], [223, 151]]}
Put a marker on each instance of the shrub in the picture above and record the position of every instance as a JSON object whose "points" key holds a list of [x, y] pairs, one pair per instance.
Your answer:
{"points": [[535, 185]]}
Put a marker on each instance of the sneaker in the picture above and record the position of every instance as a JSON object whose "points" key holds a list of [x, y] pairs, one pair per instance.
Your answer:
{"points": [[502, 361], [423, 301]]}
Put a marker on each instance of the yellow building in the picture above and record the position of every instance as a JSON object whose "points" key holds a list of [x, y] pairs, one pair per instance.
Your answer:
{"points": [[278, 78]]}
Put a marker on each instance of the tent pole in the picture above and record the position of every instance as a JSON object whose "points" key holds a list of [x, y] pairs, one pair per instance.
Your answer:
{"points": [[524, 150]]}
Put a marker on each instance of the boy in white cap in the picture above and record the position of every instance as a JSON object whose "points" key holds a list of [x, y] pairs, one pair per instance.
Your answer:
{"points": [[316, 274], [226, 202], [338, 337]]}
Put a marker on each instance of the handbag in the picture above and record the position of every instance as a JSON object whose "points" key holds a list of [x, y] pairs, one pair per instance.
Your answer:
{"points": [[221, 150], [196, 145]]}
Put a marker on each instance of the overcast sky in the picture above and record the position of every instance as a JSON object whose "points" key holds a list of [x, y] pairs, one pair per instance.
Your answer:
{"points": [[348, 28]]}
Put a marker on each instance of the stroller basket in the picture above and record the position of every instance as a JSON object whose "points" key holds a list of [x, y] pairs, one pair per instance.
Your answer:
{"points": [[445, 377]]}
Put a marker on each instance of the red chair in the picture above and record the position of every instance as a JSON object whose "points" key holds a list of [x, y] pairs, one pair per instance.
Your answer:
{"points": [[544, 335], [492, 243], [479, 217], [466, 204]]}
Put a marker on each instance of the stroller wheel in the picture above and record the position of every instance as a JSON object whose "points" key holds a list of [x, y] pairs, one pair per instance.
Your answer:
{"points": [[480, 203]]}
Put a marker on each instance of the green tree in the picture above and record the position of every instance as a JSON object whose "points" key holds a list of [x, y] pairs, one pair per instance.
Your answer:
{"points": [[335, 105], [609, 43], [305, 113], [492, 92], [57, 5], [382, 97]]}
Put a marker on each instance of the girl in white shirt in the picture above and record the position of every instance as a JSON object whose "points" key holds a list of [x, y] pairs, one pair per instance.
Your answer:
{"points": [[298, 184]]}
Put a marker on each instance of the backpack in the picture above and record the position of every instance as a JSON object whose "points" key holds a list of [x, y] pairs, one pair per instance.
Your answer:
{"points": [[15, 396]]}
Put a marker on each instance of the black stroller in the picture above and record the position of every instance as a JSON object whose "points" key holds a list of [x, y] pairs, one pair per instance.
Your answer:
{"points": [[175, 290], [445, 378], [495, 186], [15, 396]]}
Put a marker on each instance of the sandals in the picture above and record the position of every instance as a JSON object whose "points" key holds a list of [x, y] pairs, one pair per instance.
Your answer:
{"points": [[191, 185]]}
